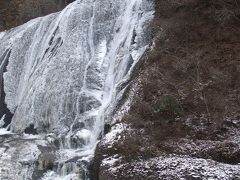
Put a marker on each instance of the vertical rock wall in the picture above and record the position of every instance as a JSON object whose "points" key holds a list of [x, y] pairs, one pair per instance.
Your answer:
{"points": [[17, 12]]}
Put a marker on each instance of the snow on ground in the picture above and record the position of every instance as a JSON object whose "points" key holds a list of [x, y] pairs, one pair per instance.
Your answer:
{"points": [[175, 167], [111, 161], [114, 135]]}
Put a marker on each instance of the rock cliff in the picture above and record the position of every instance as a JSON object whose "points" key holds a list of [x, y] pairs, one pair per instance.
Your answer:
{"points": [[183, 118]]}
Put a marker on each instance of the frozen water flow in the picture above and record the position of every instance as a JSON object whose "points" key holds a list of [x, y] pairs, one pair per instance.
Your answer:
{"points": [[64, 71], [1, 35]]}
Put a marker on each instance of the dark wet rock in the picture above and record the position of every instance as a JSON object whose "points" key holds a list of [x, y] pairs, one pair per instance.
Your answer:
{"points": [[31, 130], [45, 161], [107, 128], [78, 125], [87, 103]]}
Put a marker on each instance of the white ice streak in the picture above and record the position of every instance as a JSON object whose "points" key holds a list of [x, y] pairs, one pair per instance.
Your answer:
{"points": [[1, 35]]}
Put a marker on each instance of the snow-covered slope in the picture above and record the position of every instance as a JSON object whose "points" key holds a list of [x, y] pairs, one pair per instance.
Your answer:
{"points": [[66, 72]]}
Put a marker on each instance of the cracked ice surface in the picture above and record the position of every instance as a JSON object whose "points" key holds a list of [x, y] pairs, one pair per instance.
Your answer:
{"points": [[66, 71]]}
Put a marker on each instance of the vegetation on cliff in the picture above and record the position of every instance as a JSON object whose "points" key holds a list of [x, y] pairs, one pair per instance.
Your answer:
{"points": [[188, 101]]}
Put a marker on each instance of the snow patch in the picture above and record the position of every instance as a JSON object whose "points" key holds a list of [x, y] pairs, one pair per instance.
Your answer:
{"points": [[114, 135], [178, 167], [2, 121], [4, 131], [110, 161], [53, 176]]}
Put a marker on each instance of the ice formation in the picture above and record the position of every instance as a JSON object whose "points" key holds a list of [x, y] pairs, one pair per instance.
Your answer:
{"points": [[65, 74]]}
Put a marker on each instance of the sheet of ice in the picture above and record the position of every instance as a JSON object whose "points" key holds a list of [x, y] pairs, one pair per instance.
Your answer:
{"points": [[18, 162], [30, 136], [66, 71], [4, 131], [53, 176], [2, 121], [1, 35]]}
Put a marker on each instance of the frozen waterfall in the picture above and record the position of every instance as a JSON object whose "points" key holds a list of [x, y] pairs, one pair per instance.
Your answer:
{"points": [[65, 73]]}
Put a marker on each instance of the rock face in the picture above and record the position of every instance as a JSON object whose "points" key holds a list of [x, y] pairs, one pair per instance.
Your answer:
{"points": [[17, 12], [183, 118]]}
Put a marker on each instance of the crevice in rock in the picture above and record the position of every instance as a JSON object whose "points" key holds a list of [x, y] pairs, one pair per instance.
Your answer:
{"points": [[107, 128], [4, 59], [31, 130]]}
